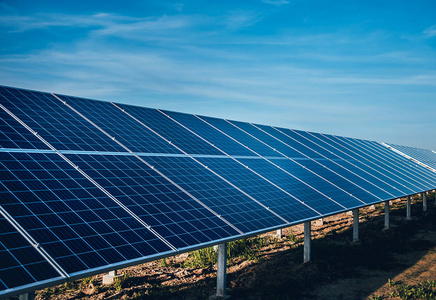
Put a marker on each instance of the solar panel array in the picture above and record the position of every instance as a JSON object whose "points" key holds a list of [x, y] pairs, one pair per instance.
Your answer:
{"points": [[89, 186], [424, 156]]}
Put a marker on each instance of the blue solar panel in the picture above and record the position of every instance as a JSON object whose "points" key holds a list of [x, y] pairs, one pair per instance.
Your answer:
{"points": [[223, 198], [119, 125], [241, 136], [269, 140], [13, 135], [358, 167], [20, 263], [172, 213], [396, 169], [170, 130], [425, 156], [265, 192], [293, 186], [74, 221], [298, 142], [54, 121], [210, 134]]}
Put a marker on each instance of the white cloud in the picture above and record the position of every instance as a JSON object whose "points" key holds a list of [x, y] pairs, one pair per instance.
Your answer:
{"points": [[276, 2], [430, 31]]}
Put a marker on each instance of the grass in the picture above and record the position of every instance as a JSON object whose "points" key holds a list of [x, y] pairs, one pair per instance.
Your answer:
{"points": [[423, 290]]}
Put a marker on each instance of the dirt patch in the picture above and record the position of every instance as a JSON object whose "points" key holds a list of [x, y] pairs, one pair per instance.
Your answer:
{"points": [[340, 269]]}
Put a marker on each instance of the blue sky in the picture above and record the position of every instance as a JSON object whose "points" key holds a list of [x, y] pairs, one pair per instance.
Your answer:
{"points": [[363, 69]]}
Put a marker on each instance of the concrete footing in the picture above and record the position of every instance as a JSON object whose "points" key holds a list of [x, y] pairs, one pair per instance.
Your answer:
{"points": [[279, 233], [387, 217], [221, 277], [307, 241], [409, 209], [355, 225], [27, 296], [110, 277], [424, 201]]}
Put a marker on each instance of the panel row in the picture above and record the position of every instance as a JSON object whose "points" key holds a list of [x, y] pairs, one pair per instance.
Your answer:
{"points": [[129, 183], [427, 157]]}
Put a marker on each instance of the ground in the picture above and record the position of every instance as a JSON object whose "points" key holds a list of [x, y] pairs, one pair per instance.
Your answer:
{"points": [[398, 263]]}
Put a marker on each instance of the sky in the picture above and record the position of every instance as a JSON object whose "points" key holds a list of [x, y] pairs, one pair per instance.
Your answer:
{"points": [[363, 69]]}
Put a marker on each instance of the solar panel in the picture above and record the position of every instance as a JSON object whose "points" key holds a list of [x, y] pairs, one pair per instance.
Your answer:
{"points": [[73, 220], [120, 126], [55, 122], [210, 134], [425, 156], [288, 206], [20, 263], [87, 186], [13, 135], [170, 130], [240, 136], [233, 205], [169, 211]]}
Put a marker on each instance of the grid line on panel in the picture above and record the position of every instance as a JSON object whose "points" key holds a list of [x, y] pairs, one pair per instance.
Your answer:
{"points": [[173, 133], [333, 161], [216, 174], [97, 185], [33, 243], [58, 125], [332, 139], [409, 157], [150, 166], [416, 169], [316, 161], [266, 159], [354, 164], [314, 173], [364, 147], [235, 159]]}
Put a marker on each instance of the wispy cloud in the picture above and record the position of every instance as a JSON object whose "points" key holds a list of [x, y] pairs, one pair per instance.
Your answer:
{"points": [[276, 2], [430, 31]]}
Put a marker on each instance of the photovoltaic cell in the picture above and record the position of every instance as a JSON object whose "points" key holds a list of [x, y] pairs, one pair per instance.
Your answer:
{"points": [[210, 134], [425, 156], [241, 136], [357, 167], [170, 130], [300, 190], [119, 125], [74, 221], [396, 170], [14, 135], [262, 190], [173, 214], [223, 198], [54, 121], [269, 140], [20, 263]]}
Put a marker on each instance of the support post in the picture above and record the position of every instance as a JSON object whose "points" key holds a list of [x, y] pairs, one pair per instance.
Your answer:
{"points": [[307, 241], [279, 233], [355, 225], [110, 277], [221, 272], [424, 201], [408, 209], [27, 296], [387, 212]]}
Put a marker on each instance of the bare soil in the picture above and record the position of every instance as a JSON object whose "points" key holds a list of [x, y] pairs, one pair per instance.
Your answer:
{"points": [[339, 268]]}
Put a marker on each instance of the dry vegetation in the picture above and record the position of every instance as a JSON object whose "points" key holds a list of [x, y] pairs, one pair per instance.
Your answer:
{"points": [[395, 264]]}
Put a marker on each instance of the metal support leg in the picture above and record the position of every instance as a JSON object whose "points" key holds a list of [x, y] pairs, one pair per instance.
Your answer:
{"points": [[424, 201], [221, 271], [387, 211], [307, 240], [279, 233], [408, 209], [27, 296], [355, 225]]}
